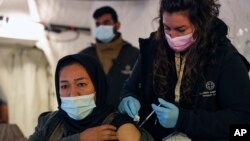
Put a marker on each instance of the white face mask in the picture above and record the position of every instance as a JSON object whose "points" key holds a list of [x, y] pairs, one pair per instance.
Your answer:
{"points": [[105, 33], [78, 107], [181, 43]]}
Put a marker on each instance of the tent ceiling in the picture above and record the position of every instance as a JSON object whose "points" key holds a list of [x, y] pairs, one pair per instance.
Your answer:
{"points": [[75, 12], [14, 6], [60, 12]]}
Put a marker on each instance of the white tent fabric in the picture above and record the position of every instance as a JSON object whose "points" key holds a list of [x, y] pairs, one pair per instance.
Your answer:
{"points": [[25, 79], [136, 18], [236, 14]]}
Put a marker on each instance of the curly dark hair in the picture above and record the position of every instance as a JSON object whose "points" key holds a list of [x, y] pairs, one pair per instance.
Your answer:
{"points": [[201, 13]]}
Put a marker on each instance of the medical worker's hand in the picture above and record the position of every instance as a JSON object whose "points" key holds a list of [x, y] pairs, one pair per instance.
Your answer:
{"points": [[129, 105], [167, 113]]}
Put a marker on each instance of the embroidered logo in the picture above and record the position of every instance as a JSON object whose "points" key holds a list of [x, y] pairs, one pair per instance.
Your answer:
{"points": [[210, 85], [127, 70]]}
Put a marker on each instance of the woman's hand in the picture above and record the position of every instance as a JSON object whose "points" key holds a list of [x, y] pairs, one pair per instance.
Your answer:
{"points": [[99, 133], [167, 113]]}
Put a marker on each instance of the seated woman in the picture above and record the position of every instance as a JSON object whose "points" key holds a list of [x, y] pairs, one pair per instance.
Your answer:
{"points": [[3, 112], [3, 108], [81, 89]]}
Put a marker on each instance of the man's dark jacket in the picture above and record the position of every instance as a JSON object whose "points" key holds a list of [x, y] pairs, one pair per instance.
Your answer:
{"points": [[119, 71]]}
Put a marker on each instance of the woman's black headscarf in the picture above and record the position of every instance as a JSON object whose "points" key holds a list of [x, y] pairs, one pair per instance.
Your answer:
{"points": [[98, 79]]}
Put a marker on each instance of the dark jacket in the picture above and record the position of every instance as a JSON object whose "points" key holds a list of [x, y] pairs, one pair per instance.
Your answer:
{"points": [[120, 70], [213, 108], [59, 125], [49, 121]]}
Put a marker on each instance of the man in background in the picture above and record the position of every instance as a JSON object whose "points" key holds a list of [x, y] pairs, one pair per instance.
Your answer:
{"points": [[3, 108], [116, 55]]}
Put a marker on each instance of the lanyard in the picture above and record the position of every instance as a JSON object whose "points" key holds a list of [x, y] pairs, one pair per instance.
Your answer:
{"points": [[179, 71]]}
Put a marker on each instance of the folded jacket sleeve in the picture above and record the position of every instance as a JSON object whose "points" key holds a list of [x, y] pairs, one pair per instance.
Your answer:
{"points": [[130, 87]]}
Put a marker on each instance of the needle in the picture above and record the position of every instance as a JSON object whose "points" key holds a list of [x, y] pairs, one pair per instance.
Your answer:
{"points": [[145, 120]]}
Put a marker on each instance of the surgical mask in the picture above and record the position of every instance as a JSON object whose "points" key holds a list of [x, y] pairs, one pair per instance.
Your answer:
{"points": [[78, 107], [105, 33], [181, 43]]}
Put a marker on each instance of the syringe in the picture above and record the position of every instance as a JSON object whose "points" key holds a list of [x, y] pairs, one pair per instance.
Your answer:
{"points": [[145, 120]]}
